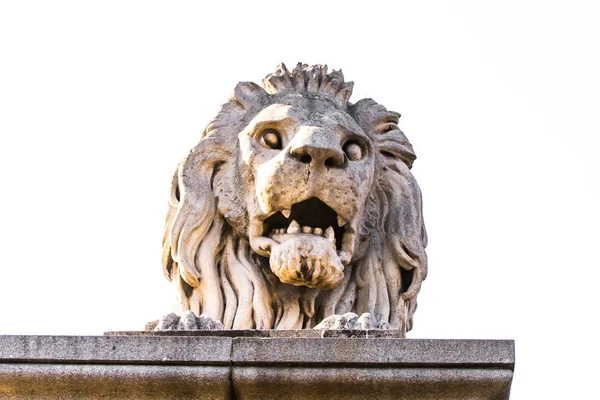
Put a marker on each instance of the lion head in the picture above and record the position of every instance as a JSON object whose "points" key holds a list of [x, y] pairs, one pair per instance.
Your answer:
{"points": [[296, 205]]}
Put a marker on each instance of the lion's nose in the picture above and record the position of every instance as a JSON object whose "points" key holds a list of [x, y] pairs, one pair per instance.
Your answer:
{"points": [[318, 149]]}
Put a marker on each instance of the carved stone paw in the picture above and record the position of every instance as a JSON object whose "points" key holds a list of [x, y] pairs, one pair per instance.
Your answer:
{"points": [[187, 322], [352, 321]]}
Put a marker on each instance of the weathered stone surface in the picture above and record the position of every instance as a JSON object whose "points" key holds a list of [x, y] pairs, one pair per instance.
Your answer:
{"points": [[96, 349], [351, 321], [208, 324], [165, 367], [371, 383], [151, 325], [382, 352], [86, 381], [187, 321], [295, 206], [306, 333], [168, 322]]}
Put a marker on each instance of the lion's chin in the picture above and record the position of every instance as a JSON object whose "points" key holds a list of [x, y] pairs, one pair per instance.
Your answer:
{"points": [[306, 260]]}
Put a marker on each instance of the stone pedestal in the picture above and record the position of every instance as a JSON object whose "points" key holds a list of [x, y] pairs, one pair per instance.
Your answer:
{"points": [[253, 365]]}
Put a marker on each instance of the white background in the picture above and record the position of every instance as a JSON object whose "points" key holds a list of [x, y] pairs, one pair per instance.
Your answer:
{"points": [[501, 100]]}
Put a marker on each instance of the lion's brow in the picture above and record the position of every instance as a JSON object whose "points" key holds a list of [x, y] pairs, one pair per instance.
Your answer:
{"points": [[272, 121]]}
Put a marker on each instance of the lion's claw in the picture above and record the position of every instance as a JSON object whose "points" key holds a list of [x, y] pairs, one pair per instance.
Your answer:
{"points": [[352, 321], [187, 322]]}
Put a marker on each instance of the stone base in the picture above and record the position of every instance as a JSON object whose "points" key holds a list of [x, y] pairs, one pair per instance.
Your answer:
{"points": [[253, 365]]}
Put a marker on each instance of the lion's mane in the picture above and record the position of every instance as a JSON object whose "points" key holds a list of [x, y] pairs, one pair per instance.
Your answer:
{"points": [[206, 254]]}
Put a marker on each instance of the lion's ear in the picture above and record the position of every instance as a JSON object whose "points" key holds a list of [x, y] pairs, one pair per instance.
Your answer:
{"points": [[382, 127], [249, 95], [246, 100]]}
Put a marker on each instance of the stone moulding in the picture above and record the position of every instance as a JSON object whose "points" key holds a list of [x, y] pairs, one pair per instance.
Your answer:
{"points": [[250, 367]]}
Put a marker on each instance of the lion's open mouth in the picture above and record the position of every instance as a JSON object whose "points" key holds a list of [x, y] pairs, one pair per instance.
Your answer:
{"points": [[307, 244], [310, 216]]}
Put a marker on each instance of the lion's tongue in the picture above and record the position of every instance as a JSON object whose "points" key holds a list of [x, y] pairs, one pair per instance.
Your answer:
{"points": [[306, 259]]}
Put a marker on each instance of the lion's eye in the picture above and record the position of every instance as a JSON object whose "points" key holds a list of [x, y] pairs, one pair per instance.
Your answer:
{"points": [[270, 139], [353, 151]]}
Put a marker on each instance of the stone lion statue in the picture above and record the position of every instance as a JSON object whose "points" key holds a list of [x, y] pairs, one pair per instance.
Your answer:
{"points": [[297, 209]]}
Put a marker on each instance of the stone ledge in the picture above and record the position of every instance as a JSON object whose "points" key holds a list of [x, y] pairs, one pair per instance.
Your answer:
{"points": [[374, 352], [174, 366], [116, 349], [101, 381], [274, 333], [371, 383]]}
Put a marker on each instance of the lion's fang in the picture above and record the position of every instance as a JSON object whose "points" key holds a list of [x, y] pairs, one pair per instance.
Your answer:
{"points": [[330, 234], [286, 212], [341, 221], [294, 227]]}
